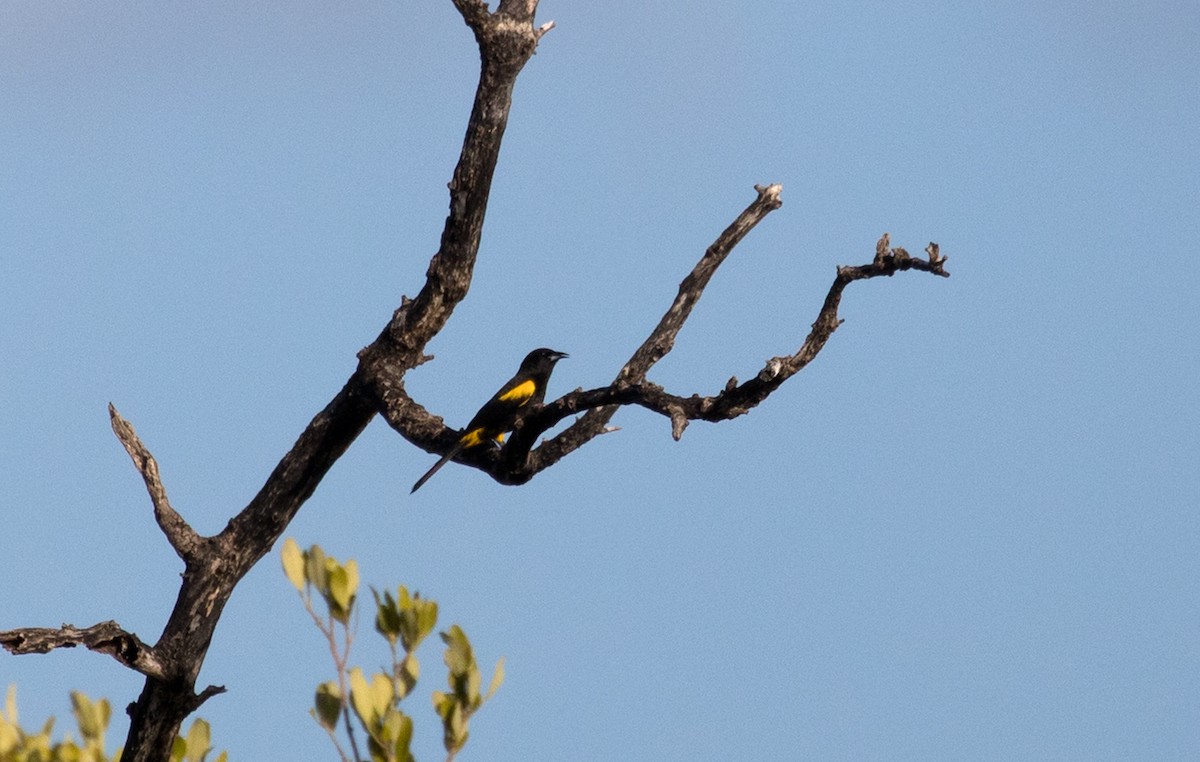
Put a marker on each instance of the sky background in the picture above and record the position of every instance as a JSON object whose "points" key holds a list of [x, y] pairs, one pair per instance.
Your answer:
{"points": [[969, 530]]}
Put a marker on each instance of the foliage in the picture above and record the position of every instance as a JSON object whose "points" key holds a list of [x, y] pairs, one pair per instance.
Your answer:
{"points": [[91, 718], [404, 620]]}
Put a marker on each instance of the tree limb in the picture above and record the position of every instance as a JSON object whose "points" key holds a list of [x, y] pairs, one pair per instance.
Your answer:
{"points": [[518, 461], [429, 432], [179, 533], [662, 339], [105, 637], [735, 399]]}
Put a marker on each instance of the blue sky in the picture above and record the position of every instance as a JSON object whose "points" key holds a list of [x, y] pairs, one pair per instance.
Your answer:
{"points": [[969, 530]]}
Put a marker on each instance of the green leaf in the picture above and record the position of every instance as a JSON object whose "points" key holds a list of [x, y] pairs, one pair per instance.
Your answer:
{"points": [[178, 749], [315, 569], [459, 657], [455, 729], [360, 697], [407, 675], [91, 717], [410, 634], [387, 616], [465, 678], [376, 750], [371, 700], [10, 705], [400, 730], [497, 679], [427, 615], [343, 584], [338, 597], [41, 741], [328, 705], [105, 713], [67, 751], [473, 682], [293, 563], [443, 704], [199, 741], [382, 693], [418, 617], [454, 722], [9, 738], [352, 580]]}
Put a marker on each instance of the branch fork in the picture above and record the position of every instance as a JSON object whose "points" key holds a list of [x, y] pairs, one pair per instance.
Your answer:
{"points": [[519, 460]]}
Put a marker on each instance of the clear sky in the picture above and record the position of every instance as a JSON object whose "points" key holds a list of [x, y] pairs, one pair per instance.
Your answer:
{"points": [[969, 530]]}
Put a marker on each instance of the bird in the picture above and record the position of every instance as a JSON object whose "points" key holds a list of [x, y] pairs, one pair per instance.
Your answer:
{"points": [[524, 390]]}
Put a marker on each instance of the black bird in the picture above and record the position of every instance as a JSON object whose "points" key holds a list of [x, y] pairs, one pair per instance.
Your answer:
{"points": [[497, 416]]}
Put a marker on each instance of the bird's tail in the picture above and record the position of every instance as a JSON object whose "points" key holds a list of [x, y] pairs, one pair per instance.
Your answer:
{"points": [[455, 450]]}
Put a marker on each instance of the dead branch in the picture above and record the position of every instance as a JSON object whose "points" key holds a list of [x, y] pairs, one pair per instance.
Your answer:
{"points": [[105, 637], [519, 462], [179, 533], [662, 339]]}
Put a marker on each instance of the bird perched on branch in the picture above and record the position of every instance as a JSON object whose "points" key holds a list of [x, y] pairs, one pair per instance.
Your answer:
{"points": [[497, 416]]}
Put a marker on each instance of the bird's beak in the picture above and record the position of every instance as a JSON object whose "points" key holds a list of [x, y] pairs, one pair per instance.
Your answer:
{"points": [[561, 355]]}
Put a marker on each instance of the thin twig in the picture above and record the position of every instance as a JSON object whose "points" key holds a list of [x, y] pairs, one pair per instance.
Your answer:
{"points": [[204, 695], [734, 400], [341, 669], [340, 660], [332, 733], [662, 339], [179, 533]]}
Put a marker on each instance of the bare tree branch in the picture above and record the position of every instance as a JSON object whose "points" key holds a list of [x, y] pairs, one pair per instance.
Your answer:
{"points": [[105, 637], [213, 566], [204, 695], [516, 464], [179, 533], [735, 399], [429, 432], [519, 462], [662, 339]]}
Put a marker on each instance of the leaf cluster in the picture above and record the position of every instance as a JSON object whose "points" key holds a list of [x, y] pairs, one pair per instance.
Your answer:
{"points": [[404, 620], [91, 720]]}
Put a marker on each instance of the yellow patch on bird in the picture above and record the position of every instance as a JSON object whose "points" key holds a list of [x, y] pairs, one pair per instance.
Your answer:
{"points": [[473, 437], [519, 393]]}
